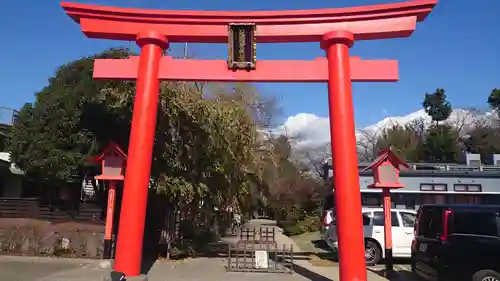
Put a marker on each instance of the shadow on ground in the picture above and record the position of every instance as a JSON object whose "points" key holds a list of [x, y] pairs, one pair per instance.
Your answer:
{"points": [[396, 275], [313, 276], [319, 251], [320, 244], [267, 224]]}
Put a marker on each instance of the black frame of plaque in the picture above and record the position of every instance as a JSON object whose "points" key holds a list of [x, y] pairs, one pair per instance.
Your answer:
{"points": [[242, 53]]}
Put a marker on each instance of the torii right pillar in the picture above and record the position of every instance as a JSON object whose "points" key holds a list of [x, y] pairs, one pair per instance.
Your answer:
{"points": [[344, 156]]}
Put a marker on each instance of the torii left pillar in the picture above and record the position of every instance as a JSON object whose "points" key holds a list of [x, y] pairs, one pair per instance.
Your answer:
{"points": [[133, 216]]}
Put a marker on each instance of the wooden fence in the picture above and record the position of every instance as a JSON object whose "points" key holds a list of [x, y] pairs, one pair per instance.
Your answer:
{"points": [[36, 208]]}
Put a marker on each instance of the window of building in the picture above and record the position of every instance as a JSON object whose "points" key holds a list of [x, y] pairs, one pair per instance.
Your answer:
{"points": [[475, 223], [430, 224], [374, 200], [408, 219], [440, 198], [366, 219], [433, 187], [467, 187], [460, 187], [467, 199], [378, 219], [490, 199], [474, 188], [474, 163], [426, 187], [440, 187], [429, 198], [410, 202]]}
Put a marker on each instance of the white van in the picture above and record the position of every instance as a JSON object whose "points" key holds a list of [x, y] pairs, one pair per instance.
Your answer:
{"points": [[373, 227]]}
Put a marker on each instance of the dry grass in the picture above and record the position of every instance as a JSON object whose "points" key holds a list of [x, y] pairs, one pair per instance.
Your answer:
{"points": [[309, 242], [322, 262], [38, 237], [319, 254]]}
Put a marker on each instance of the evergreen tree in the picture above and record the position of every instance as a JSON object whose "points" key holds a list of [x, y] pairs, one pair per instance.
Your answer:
{"points": [[436, 106], [494, 100], [71, 119], [483, 139], [441, 145]]}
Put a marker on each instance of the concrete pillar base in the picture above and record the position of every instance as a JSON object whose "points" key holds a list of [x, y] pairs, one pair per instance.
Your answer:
{"points": [[114, 277], [141, 277]]}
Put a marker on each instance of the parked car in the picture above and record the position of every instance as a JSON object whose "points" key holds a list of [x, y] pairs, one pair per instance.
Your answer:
{"points": [[457, 242], [373, 227]]}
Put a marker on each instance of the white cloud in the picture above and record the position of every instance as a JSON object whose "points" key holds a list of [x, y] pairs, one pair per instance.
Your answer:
{"points": [[306, 130], [309, 131]]}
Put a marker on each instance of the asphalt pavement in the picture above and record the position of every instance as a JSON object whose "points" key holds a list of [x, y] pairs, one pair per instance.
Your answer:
{"points": [[17, 268]]}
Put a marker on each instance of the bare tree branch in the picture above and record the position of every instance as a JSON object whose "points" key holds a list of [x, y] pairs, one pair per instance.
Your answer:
{"points": [[367, 144]]}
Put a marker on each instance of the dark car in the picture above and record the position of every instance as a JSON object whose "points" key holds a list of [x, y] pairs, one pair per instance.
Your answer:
{"points": [[457, 242]]}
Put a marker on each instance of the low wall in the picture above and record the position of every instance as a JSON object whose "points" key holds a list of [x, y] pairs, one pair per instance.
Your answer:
{"points": [[49, 210], [43, 238]]}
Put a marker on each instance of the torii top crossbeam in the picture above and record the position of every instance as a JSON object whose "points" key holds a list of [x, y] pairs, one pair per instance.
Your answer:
{"points": [[366, 23]]}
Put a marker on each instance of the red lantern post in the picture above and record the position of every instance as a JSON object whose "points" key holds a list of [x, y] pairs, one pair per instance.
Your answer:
{"points": [[385, 170], [113, 162]]}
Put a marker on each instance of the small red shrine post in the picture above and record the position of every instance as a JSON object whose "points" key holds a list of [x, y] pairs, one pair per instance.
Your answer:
{"points": [[385, 170], [113, 162], [335, 29]]}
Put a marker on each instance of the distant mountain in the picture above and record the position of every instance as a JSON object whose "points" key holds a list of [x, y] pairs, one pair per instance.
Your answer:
{"points": [[459, 117], [309, 131]]}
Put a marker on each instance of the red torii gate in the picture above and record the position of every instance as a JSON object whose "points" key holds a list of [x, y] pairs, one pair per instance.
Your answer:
{"points": [[335, 30]]}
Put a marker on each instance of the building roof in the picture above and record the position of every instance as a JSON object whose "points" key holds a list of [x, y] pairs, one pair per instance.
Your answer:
{"points": [[5, 157], [387, 155]]}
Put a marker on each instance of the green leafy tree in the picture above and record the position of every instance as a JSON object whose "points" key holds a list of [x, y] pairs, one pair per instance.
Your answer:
{"points": [[71, 119], [293, 191], [483, 139], [406, 141], [209, 153], [4, 136], [436, 106], [494, 100], [441, 145]]}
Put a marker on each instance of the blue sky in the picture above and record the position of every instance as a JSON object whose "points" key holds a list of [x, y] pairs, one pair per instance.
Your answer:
{"points": [[455, 48]]}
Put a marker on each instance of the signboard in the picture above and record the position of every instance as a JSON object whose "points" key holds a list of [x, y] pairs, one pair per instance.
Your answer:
{"points": [[261, 259], [112, 166], [241, 46]]}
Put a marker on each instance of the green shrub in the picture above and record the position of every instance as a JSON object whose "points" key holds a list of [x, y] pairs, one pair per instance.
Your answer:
{"points": [[312, 223], [291, 230], [307, 224]]}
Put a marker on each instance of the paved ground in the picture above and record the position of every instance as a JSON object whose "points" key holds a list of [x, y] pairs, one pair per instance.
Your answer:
{"points": [[15, 268], [326, 273], [202, 269], [206, 269]]}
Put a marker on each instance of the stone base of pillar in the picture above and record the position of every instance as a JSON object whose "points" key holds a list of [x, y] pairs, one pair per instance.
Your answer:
{"points": [[116, 276], [141, 277]]}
